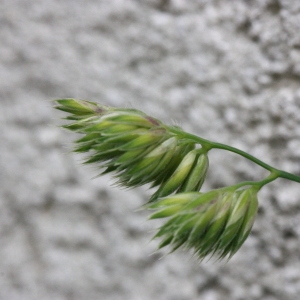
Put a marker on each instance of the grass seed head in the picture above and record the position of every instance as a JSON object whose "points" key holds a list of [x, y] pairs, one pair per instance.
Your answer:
{"points": [[138, 148], [213, 223]]}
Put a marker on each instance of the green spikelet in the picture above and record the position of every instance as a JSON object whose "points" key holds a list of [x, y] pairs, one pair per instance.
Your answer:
{"points": [[213, 223], [138, 148]]}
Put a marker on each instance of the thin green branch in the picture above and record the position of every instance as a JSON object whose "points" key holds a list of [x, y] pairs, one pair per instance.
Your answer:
{"points": [[289, 176], [259, 184], [208, 145]]}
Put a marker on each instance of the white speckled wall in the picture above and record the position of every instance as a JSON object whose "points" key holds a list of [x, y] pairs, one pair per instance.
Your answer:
{"points": [[228, 70]]}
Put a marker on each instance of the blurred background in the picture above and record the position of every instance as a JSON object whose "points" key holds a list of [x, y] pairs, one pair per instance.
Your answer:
{"points": [[227, 70]]}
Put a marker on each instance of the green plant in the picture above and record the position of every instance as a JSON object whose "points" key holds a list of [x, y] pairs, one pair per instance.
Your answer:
{"points": [[140, 149]]}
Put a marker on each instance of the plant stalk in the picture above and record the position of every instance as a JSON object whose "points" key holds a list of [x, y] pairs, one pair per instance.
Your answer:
{"points": [[208, 145]]}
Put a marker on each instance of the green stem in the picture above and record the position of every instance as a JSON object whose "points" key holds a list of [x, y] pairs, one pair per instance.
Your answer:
{"points": [[259, 184], [208, 145]]}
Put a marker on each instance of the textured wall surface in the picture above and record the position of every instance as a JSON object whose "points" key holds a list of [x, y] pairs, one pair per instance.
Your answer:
{"points": [[228, 70]]}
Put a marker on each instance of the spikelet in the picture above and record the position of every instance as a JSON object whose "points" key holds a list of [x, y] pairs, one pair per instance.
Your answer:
{"points": [[213, 223], [139, 149]]}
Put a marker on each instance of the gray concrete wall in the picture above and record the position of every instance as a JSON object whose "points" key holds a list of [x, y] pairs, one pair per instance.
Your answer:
{"points": [[228, 70]]}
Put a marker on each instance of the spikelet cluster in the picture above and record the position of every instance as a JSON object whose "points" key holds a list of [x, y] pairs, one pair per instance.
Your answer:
{"points": [[139, 149], [213, 223]]}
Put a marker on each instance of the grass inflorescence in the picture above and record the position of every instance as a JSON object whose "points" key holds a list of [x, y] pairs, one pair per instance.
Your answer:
{"points": [[139, 149]]}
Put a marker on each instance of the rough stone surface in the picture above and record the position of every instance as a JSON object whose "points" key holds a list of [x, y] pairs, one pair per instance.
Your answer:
{"points": [[228, 70]]}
